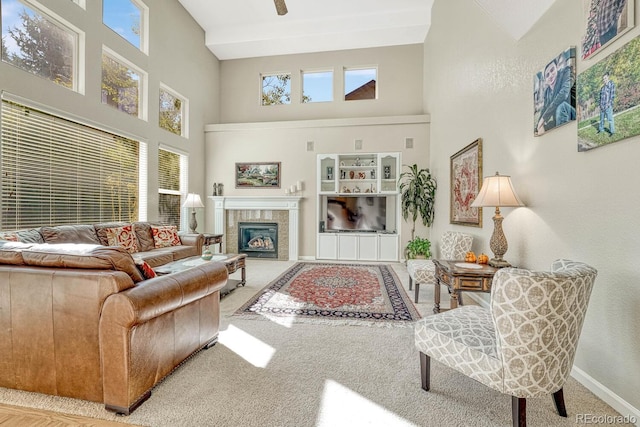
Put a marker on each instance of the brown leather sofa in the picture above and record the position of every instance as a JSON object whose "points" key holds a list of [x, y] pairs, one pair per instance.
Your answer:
{"points": [[79, 320]]}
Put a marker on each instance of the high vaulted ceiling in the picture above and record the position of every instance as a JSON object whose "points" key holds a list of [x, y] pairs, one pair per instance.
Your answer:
{"points": [[251, 28]]}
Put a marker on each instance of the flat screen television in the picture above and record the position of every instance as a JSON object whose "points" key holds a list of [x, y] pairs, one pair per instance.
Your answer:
{"points": [[356, 213]]}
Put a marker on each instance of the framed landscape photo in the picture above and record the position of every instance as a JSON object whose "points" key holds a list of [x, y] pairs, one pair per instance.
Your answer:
{"points": [[258, 175], [605, 21], [466, 176]]}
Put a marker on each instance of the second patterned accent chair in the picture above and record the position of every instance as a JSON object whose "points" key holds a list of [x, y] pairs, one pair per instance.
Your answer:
{"points": [[453, 246], [524, 344]]}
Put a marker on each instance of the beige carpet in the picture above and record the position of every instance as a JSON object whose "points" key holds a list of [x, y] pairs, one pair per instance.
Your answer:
{"points": [[285, 374]]}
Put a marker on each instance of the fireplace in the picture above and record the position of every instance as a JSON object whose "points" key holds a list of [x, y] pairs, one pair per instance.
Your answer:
{"points": [[258, 239]]}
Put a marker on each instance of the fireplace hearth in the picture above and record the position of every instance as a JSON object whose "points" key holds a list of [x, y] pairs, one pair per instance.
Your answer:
{"points": [[258, 239]]}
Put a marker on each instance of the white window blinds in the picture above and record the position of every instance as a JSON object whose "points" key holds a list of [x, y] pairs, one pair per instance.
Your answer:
{"points": [[55, 171], [171, 182]]}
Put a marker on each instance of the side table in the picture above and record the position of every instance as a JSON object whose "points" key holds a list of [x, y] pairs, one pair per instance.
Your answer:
{"points": [[212, 239], [461, 276]]}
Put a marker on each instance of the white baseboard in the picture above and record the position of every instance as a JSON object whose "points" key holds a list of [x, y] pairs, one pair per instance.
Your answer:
{"points": [[594, 386]]}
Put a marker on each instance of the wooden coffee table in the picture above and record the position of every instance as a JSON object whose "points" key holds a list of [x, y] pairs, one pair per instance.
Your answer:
{"points": [[461, 276], [233, 262]]}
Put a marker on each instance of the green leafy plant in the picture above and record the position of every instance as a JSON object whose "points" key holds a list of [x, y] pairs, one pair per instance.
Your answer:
{"points": [[417, 195], [418, 246]]}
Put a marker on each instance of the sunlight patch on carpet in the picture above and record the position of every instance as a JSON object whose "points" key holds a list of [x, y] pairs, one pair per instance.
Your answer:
{"points": [[343, 406], [247, 346], [332, 293]]}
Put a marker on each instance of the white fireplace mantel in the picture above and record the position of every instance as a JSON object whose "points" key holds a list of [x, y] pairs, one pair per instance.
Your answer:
{"points": [[275, 203]]}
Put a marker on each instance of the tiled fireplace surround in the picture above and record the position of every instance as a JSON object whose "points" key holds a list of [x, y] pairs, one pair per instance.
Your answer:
{"points": [[283, 210]]}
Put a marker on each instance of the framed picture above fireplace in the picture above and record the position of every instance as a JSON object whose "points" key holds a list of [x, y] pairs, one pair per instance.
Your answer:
{"points": [[258, 175]]}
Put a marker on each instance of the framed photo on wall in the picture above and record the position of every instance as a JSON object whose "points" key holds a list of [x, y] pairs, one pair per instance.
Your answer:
{"points": [[605, 21], [554, 93], [466, 176], [258, 175]]}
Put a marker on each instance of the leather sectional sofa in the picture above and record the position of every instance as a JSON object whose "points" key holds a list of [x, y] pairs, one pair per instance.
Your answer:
{"points": [[78, 319]]}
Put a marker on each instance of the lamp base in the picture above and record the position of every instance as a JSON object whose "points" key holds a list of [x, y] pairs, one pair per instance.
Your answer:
{"points": [[499, 263], [193, 224]]}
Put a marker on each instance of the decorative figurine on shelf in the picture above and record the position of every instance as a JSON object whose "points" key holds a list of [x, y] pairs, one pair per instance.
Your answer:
{"points": [[373, 174], [358, 161], [356, 190], [343, 174], [387, 172], [373, 163], [329, 172], [220, 188], [215, 189]]}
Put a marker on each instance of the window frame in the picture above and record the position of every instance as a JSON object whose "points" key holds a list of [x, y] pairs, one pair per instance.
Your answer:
{"points": [[183, 183], [79, 43], [274, 74], [317, 71], [143, 85], [184, 110], [360, 68], [144, 25]]}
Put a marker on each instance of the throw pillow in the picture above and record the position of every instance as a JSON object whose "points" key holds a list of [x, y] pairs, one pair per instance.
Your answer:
{"points": [[165, 236], [9, 236], [123, 237], [145, 269]]}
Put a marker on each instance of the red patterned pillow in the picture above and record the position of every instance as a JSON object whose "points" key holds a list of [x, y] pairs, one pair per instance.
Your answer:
{"points": [[165, 236], [145, 269], [9, 236], [124, 237]]}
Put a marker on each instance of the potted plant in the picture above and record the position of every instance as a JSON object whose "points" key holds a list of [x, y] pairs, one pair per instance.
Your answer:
{"points": [[417, 194], [418, 248]]}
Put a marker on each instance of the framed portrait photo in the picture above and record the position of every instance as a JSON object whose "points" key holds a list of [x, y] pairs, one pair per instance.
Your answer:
{"points": [[554, 93], [605, 21], [258, 175], [466, 176]]}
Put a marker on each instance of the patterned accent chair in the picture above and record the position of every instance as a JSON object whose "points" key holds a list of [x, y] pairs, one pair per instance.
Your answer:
{"points": [[453, 246], [524, 344]]}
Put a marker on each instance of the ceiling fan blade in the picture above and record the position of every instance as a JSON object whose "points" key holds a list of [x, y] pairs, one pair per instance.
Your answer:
{"points": [[281, 8]]}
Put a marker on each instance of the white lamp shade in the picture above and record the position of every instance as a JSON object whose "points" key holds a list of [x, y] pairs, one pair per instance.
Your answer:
{"points": [[497, 191], [193, 201]]}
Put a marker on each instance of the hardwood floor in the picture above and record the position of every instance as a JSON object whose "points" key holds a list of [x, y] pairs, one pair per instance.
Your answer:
{"points": [[16, 416]]}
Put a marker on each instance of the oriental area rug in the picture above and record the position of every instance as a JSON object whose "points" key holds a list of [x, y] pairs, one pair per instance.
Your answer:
{"points": [[339, 294]]}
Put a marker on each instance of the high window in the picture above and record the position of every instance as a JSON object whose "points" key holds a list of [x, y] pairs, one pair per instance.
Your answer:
{"points": [[360, 83], [172, 184], [56, 171], [173, 111], [123, 85], [276, 89], [317, 86], [41, 43], [129, 19]]}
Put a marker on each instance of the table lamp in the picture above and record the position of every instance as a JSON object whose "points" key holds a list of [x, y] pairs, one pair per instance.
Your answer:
{"points": [[193, 201], [497, 191]]}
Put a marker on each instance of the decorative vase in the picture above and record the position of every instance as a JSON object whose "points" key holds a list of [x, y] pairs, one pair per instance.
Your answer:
{"points": [[207, 254]]}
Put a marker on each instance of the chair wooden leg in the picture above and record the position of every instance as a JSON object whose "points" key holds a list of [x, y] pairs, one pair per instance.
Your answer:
{"points": [[417, 292], [410, 282], [519, 411], [425, 371], [558, 399]]}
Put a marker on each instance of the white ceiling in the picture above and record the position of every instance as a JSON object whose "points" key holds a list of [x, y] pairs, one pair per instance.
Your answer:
{"points": [[251, 28]]}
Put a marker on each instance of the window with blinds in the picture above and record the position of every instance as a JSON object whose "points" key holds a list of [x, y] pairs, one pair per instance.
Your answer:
{"points": [[56, 171], [171, 184]]}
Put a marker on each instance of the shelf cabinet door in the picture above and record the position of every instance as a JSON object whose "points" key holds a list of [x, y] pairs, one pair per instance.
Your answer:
{"points": [[327, 170], [348, 246], [389, 172], [388, 247], [327, 246], [368, 245]]}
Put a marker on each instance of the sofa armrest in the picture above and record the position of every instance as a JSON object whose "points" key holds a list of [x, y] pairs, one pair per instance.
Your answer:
{"points": [[148, 330], [190, 239]]}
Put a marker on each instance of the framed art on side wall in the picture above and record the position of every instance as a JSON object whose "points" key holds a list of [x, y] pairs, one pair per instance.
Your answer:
{"points": [[258, 175], [466, 175], [554, 93], [605, 21]]}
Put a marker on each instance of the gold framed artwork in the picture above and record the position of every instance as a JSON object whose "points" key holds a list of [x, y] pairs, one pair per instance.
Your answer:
{"points": [[258, 175], [466, 176]]}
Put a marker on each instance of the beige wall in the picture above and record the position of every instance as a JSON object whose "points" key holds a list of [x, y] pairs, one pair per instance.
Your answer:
{"points": [[399, 85], [176, 50], [581, 206], [244, 137]]}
